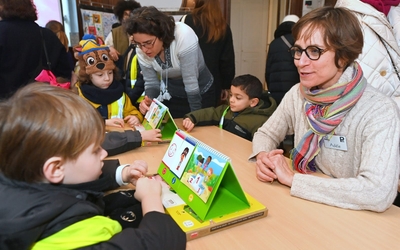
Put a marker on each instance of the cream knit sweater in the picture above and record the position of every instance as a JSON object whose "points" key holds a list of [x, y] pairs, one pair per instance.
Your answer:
{"points": [[365, 177]]}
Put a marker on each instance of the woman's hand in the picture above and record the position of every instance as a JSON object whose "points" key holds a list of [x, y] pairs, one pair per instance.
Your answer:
{"points": [[134, 171], [187, 124], [151, 135], [273, 165], [144, 105], [115, 122], [114, 53]]}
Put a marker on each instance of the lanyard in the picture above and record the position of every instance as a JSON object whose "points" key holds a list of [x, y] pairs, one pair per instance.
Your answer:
{"points": [[221, 122]]}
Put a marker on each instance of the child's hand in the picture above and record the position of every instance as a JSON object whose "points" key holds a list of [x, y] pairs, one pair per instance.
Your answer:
{"points": [[151, 135], [148, 192], [133, 172], [188, 124], [147, 186], [132, 120], [144, 105], [115, 122]]}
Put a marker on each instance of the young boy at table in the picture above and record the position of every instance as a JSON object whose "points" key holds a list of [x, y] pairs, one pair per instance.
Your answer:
{"points": [[103, 91], [249, 107], [52, 176]]}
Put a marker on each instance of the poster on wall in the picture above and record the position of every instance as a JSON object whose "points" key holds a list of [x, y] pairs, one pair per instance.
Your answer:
{"points": [[97, 22]]}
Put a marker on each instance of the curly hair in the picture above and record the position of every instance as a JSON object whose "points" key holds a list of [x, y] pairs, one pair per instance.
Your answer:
{"points": [[22, 9], [149, 20], [122, 6]]}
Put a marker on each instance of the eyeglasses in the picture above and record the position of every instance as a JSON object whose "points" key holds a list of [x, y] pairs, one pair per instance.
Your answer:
{"points": [[312, 52], [147, 45]]}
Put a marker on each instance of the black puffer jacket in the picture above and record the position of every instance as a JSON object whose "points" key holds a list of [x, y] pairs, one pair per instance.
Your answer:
{"points": [[280, 72]]}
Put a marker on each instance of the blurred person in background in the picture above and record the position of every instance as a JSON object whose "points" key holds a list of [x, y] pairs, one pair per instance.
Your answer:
{"points": [[215, 39], [22, 55]]}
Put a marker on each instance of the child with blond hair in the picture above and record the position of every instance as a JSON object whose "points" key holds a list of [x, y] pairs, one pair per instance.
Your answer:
{"points": [[53, 174]]}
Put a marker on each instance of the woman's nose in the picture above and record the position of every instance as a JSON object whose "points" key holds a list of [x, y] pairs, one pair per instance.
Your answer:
{"points": [[304, 60]]}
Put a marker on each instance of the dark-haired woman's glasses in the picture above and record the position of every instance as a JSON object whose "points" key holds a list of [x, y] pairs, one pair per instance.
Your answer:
{"points": [[312, 52], [147, 45]]}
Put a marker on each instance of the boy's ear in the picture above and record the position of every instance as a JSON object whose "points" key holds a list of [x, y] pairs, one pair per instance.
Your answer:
{"points": [[53, 170], [254, 101]]}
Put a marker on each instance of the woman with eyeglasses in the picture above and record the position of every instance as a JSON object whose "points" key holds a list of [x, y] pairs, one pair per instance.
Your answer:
{"points": [[343, 127], [171, 61]]}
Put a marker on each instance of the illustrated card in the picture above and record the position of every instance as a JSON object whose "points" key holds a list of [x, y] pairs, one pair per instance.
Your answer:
{"points": [[178, 154], [203, 171]]}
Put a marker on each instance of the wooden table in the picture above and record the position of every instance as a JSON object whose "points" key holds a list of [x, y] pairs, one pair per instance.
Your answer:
{"points": [[292, 223]]}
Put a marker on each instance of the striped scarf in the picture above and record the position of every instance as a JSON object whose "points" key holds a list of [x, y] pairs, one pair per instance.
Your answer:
{"points": [[325, 110]]}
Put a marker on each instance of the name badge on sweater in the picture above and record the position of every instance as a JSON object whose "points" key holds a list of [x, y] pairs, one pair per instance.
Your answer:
{"points": [[336, 142]]}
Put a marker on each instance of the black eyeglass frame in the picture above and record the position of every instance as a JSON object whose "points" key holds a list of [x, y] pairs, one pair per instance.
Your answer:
{"points": [[146, 45], [293, 51]]}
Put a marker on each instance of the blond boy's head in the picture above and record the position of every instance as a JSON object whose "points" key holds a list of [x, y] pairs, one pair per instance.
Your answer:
{"points": [[41, 121]]}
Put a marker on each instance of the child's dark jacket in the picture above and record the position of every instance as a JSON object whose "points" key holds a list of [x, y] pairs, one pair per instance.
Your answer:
{"points": [[32, 212], [243, 124], [116, 142]]}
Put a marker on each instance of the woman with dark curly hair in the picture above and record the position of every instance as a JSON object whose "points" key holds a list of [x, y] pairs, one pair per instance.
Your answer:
{"points": [[21, 47], [170, 51]]}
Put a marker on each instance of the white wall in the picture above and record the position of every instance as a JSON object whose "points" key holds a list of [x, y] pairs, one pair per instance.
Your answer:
{"points": [[48, 10], [249, 24], [162, 4], [314, 4]]}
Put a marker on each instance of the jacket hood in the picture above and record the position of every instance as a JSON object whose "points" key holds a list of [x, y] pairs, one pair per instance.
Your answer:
{"points": [[362, 8], [284, 29], [266, 106]]}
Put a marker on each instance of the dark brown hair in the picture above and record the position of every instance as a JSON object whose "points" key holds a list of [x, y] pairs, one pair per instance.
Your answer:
{"points": [[340, 30], [250, 84], [151, 21], [123, 5], [41, 121], [22, 9]]}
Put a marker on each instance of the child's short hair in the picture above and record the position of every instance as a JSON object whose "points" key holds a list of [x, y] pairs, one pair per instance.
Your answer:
{"points": [[250, 84], [41, 121]]}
